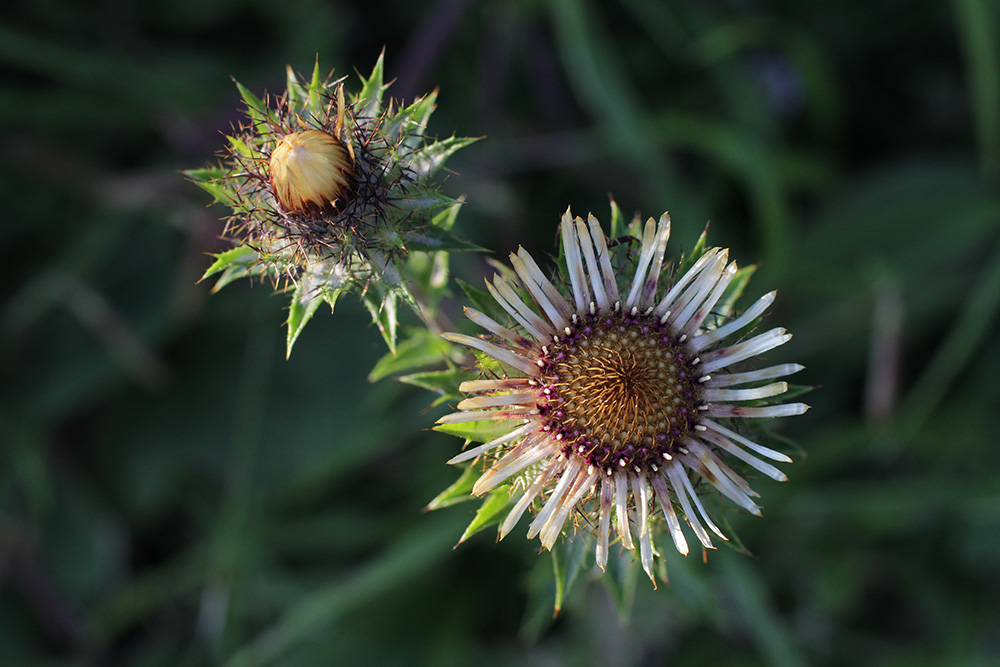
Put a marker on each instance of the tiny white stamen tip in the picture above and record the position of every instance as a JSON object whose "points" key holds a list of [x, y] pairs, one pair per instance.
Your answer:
{"points": [[622, 463], [568, 331], [700, 427], [683, 338], [696, 361], [618, 306], [532, 383], [635, 311], [555, 338], [667, 457], [547, 391], [574, 318], [653, 466], [636, 468], [682, 450], [648, 311], [590, 470], [559, 436], [545, 349], [666, 316], [561, 457], [593, 308], [703, 407], [609, 472], [704, 378], [540, 363]]}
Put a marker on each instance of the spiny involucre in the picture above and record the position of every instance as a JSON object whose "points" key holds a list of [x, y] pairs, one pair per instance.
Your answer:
{"points": [[332, 192]]}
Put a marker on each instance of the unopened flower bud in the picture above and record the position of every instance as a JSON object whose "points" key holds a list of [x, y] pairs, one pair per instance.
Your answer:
{"points": [[310, 171]]}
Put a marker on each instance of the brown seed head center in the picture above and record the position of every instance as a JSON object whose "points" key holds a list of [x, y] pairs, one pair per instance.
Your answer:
{"points": [[620, 390]]}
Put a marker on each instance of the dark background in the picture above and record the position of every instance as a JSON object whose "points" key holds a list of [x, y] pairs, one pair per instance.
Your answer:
{"points": [[174, 492]]}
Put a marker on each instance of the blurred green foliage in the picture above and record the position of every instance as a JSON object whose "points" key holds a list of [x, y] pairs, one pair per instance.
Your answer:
{"points": [[173, 492]]}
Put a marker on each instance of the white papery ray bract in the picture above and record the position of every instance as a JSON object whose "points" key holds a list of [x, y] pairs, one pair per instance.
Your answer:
{"points": [[623, 396]]}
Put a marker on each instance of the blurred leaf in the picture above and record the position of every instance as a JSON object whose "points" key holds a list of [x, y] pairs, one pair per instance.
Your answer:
{"points": [[752, 34], [602, 85], [979, 27], [965, 338], [24, 452], [147, 593], [407, 558], [751, 160], [774, 639]]}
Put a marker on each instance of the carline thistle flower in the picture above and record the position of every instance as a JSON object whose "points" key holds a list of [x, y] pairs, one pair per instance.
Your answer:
{"points": [[625, 401], [331, 192]]}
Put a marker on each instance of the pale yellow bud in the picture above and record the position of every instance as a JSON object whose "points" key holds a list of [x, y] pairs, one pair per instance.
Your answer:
{"points": [[310, 170]]}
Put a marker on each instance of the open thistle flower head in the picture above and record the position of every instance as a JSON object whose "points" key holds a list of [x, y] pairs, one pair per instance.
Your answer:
{"points": [[330, 192], [624, 395]]}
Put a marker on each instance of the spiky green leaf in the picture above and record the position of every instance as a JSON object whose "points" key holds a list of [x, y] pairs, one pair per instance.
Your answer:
{"points": [[426, 161], [446, 218], [420, 203], [206, 174], [220, 193], [567, 562], [444, 383], [420, 113], [433, 239], [241, 256], [735, 290], [481, 431], [459, 492], [384, 313], [301, 310], [315, 91], [617, 225], [370, 97], [296, 92], [482, 301], [258, 109], [489, 513], [234, 273], [421, 349], [697, 251], [240, 147]]}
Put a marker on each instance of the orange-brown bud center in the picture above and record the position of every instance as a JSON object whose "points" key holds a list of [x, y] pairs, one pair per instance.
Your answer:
{"points": [[310, 171]]}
